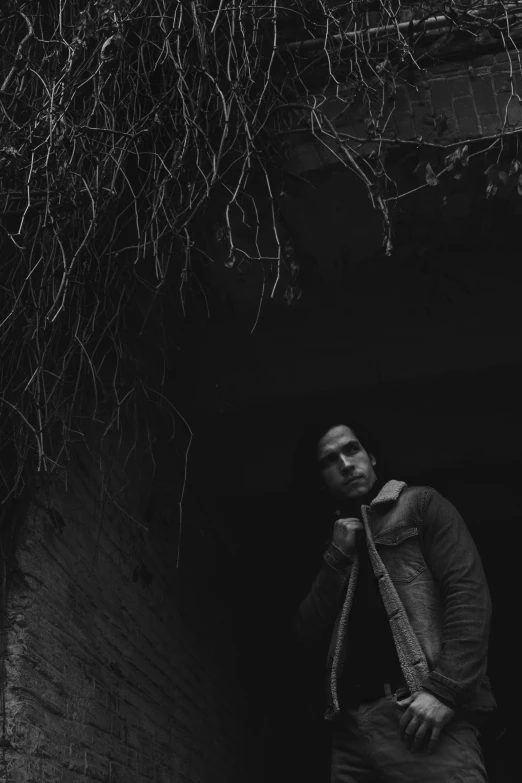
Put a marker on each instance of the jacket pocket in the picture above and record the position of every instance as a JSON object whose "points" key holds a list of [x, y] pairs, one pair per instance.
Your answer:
{"points": [[401, 554]]}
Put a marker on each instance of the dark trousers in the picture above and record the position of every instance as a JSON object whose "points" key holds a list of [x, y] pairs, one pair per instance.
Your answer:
{"points": [[367, 748]]}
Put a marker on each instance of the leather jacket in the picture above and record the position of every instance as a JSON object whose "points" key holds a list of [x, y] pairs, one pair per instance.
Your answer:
{"points": [[434, 590]]}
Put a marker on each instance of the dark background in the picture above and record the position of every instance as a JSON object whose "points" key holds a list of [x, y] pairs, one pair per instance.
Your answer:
{"points": [[425, 347], [279, 546]]}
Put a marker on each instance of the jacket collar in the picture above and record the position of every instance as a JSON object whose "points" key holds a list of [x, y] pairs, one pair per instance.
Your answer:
{"points": [[389, 493]]}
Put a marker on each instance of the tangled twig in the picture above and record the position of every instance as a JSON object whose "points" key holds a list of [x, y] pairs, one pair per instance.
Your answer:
{"points": [[118, 121]]}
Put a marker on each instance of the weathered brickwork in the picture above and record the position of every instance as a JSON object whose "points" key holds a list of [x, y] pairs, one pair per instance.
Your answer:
{"points": [[448, 103], [110, 671], [476, 98]]}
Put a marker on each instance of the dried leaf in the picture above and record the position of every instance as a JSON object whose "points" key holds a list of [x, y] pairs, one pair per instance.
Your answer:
{"points": [[519, 185], [515, 167], [431, 177], [294, 268], [11, 151], [495, 177], [292, 294], [289, 247], [460, 155], [221, 233]]}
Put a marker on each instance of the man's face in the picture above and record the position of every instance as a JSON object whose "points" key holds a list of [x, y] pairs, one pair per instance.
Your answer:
{"points": [[346, 467]]}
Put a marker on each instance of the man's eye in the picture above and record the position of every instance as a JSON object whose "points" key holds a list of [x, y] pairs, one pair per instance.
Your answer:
{"points": [[327, 462]]}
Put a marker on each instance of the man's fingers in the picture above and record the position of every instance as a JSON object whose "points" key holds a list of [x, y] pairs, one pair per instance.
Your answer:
{"points": [[434, 739], [424, 715], [419, 737], [404, 722], [409, 728], [411, 733]]}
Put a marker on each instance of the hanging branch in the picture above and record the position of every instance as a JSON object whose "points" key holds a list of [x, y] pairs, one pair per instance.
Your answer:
{"points": [[118, 121]]}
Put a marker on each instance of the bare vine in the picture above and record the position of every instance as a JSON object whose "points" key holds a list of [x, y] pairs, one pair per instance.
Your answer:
{"points": [[118, 120]]}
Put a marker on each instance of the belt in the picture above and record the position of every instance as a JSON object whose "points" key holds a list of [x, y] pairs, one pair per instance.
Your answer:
{"points": [[363, 694]]}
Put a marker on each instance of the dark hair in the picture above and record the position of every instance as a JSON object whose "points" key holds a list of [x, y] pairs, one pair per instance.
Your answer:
{"points": [[306, 475]]}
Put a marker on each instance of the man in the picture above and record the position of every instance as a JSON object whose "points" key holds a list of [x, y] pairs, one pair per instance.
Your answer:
{"points": [[403, 597]]}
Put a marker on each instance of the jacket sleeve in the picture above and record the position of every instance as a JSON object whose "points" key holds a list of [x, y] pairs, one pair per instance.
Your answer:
{"points": [[317, 612], [455, 564]]}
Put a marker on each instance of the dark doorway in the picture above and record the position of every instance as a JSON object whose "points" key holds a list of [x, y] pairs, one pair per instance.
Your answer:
{"points": [[472, 459]]}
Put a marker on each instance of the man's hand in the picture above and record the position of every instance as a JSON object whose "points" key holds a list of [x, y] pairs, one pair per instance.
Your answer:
{"points": [[345, 534], [424, 715]]}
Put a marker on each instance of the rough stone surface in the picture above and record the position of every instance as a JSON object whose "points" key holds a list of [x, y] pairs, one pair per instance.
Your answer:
{"points": [[490, 124], [484, 96], [448, 103], [113, 670], [466, 117], [441, 98], [509, 109]]}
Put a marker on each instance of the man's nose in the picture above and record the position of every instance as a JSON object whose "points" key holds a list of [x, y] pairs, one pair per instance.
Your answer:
{"points": [[345, 462]]}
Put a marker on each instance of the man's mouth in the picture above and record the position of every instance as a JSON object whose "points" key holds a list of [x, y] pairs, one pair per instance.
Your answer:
{"points": [[351, 480]]}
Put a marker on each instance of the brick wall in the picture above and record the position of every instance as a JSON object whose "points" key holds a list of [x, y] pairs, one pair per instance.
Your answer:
{"points": [[473, 99], [117, 666], [480, 98]]}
